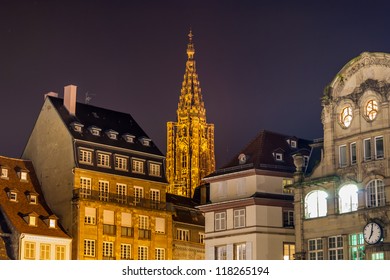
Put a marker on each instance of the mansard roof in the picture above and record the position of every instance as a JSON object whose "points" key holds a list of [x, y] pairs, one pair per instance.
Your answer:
{"points": [[104, 120], [14, 211], [184, 210], [261, 153]]}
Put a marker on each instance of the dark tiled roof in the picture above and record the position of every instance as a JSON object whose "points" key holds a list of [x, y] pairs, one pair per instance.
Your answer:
{"points": [[315, 155], [15, 211], [106, 120], [260, 153], [184, 210]]}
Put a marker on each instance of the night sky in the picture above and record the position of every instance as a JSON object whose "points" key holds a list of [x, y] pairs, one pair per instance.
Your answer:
{"points": [[261, 64]]}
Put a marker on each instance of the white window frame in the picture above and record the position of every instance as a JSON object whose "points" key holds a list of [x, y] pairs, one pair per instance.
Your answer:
{"points": [[4, 173], [125, 251], [104, 190], [44, 251], [108, 249], [143, 252], [356, 246], [343, 156], [121, 192], [348, 200], [382, 155], [315, 249], [29, 250], [220, 221], [320, 208], [221, 252], [60, 252], [89, 218], [239, 218], [201, 237], [89, 247], [159, 254], [239, 251], [121, 163], [138, 166], [182, 234], [335, 247], [367, 154], [85, 156], [85, 187], [143, 222], [154, 169], [154, 195], [103, 159], [375, 193], [278, 156], [353, 152]]}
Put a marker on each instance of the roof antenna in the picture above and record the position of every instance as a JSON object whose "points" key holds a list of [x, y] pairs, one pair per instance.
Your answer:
{"points": [[88, 97]]}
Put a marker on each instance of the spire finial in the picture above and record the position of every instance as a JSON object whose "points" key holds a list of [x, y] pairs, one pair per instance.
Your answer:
{"points": [[190, 47]]}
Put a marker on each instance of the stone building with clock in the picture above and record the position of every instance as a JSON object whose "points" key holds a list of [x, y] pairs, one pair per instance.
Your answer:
{"points": [[342, 198]]}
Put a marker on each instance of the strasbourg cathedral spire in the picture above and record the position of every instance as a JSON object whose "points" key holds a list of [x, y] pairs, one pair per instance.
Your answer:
{"points": [[190, 140]]}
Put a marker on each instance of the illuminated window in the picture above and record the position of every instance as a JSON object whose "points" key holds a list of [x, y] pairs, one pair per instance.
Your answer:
{"points": [[353, 153], [60, 252], [335, 248], [239, 251], [154, 195], [316, 204], [138, 194], [143, 253], [348, 198], [183, 234], [356, 246], [120, 163], [159, 254], [286, 182], [89, 248], [184, 160], [4, 173], [371, 109], [378, 256], [52, 223], [343, 156], [44, 253], [29, 250], [138, 166], [143, 222], [108, 250], [375, 191], [103, 160], [346, 116], [239, 218], [13, 196], [379, 151], [315, 251], [125, 251], [85, 156], [220, 221], [220, 253], [288, 251], [32, 220], [23, 176], [85, 187], [104, 190], [33, 199], [154, 169]]}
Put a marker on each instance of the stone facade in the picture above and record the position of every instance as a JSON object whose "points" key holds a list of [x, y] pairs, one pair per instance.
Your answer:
{"points": [[349, 186]]}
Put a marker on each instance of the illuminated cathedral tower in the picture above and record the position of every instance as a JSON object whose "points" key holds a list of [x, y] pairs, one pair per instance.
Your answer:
{"points": [[190, 140]]}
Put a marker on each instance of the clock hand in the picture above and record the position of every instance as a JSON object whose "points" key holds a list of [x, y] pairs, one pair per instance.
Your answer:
{"points": [[372, 231]]}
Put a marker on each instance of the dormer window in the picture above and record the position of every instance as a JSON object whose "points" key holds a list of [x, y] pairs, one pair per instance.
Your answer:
{"points": [[145, 141], [78, 127], [31, 219], [112, 134], [279, 156], [4, 173], [129, 138], [51, 221], [23, 175], [292, 142], [32, 198], [13, 195], [95, 130]]}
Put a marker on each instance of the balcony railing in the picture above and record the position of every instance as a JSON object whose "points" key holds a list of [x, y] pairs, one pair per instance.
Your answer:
{"points": [[119, 199], [109, 229], [144, 234], [127, 231]]}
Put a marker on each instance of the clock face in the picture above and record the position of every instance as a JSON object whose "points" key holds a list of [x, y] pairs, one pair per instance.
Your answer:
{"points": [[372, 233]]}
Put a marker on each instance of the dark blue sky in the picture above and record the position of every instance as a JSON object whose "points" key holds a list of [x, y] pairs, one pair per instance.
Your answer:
{"points": [[261, 64]]}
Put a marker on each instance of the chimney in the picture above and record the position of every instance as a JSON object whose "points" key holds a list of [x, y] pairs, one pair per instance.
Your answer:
{"points": [[54, 94], [70, 98]]}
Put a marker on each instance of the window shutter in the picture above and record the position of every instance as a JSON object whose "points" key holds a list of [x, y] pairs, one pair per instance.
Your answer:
{"points": [[90, 212], [126, 220], [160, 225], [248, 250], [108, 217]]}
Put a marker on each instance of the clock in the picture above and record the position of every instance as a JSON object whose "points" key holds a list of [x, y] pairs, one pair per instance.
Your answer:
{"points": [[372, 233]]}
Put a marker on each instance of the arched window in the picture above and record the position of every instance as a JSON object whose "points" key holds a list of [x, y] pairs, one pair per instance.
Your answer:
{"points": [[348, 198], [316, 204], [371, 109], [375, 193], [346, 116]]}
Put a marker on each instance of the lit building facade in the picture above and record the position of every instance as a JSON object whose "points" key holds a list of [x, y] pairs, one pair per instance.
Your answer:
{"points": [[190, 140], [104, 178], [251, 214], [342, 204], [28, 228]]}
